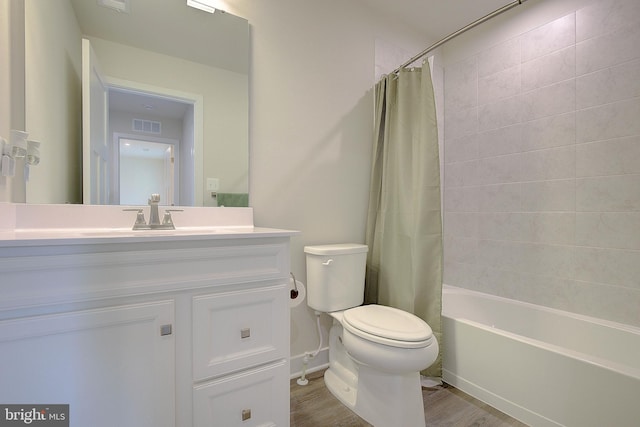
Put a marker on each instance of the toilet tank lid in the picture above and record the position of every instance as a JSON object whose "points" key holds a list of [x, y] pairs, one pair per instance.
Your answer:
{"points": [[336, 249]]}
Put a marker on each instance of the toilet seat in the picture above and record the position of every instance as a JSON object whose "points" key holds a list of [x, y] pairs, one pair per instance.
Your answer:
{"points": [[387, 325]]}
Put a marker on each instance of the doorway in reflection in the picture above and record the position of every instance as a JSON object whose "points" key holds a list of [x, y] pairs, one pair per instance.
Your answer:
{"points": [[148, 167], [153, 145]]}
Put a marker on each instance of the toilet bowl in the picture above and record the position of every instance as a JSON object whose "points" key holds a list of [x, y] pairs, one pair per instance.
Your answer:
{"points": [[376, 352], [389, 339]]}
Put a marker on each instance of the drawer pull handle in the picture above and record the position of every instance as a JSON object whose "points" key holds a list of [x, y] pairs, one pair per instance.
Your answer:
{"points": [[245, 333], [246, 414], [166, 330]]}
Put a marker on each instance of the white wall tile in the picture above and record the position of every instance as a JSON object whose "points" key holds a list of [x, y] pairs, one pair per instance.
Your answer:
{"points": [[461, 86], [608, 121], [548, 196], [608, 50], [541, 227], [612, 157], [505, 112], [498, 281], [460, 250], [461, 199], [453, 175], [604, 301], [461, 174], [543, 259], [498, 254], [461, 224], [551, 100], [620, 193], [548, 164], [495, 142], [549, 227], [548, 290], [464, 275], [500, 57], [503, 84], [499, 198], [460, 123], [501, 226], [461, 149], [549, 69], [499, 170], [604, 16], [608, 85], [608, 302], [548, 38], [544, 176], [610, 266], [614, 230], [547, 132]]}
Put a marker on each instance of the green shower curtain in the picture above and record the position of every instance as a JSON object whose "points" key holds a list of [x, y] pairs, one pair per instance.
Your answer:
{"points": [[404, 226]]}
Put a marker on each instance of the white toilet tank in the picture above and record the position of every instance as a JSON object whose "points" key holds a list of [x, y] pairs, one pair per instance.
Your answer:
{"points": [[335, 276]]}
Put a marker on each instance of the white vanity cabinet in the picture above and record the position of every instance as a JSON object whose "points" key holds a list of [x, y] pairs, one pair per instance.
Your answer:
{"points": [[111, 365], [167, 330], [233, 331]]}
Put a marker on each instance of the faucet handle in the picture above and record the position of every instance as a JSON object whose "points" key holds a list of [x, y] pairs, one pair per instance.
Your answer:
{"points": [[167, 220], [140, 223]]}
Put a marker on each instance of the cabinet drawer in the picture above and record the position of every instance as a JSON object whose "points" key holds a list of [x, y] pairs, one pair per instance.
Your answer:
{"points": [[237, 330], [258, 397]]}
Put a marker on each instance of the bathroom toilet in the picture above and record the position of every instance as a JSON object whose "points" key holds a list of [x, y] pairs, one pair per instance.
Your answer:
{"points": [[376, 352]]}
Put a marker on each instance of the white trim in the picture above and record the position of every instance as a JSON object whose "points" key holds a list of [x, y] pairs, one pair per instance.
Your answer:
{"points": [[198, 121]]}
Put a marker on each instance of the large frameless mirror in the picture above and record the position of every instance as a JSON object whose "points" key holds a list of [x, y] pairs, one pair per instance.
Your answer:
{"points": [[153, 74]]}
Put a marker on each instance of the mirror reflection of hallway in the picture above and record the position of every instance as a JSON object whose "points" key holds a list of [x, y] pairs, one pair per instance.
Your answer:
{"points": [[147, 167], [154, 117]]}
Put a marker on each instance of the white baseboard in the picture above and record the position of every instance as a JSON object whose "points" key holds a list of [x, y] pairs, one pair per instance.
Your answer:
{"points": [[321, 361]]}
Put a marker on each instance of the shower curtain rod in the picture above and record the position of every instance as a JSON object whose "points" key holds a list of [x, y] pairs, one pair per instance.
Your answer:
{"points": [[460, 31]]}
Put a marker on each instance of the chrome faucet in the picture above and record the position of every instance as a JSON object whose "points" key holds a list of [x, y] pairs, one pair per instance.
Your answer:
{"points": [[154, 216]]}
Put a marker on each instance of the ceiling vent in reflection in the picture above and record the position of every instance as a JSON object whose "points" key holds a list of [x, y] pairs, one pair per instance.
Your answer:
{"points": [[119, 5], [147, 126]]}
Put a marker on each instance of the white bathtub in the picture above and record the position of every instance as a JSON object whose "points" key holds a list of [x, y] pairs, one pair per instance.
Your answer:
{"points": [[542, 366]]}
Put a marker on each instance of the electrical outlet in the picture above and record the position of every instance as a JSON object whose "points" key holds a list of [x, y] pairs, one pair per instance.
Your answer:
{"points": [[213, 184]]}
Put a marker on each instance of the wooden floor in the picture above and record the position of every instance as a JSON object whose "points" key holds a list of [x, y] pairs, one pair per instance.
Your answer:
{"points": [[314, 406]]}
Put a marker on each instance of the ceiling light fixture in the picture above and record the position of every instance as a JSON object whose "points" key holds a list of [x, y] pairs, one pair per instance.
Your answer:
{"points": [[206, 5]]}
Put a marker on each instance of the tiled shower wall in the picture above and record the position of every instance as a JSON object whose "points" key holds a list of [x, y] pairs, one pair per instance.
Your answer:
{"points": [[542, 165]]}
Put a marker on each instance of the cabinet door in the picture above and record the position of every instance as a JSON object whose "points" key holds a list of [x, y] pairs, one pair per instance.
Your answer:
{"points": [[113, 366], [258, 397], [237, 330]]}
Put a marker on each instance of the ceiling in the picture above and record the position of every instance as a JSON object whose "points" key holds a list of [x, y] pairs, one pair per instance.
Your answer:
{"points": [[127, 101], [171, 28], [158, 25], [436, 18]]}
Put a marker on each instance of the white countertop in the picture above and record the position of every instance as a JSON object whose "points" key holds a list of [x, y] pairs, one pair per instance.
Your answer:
{"points": [[33, 225]]}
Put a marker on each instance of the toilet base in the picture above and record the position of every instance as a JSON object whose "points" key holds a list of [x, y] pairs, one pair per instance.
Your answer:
{"points": [[381, 399]]}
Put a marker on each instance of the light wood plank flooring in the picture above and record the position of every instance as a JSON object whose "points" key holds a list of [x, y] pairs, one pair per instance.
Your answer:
{"points": [[314, 406]]}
